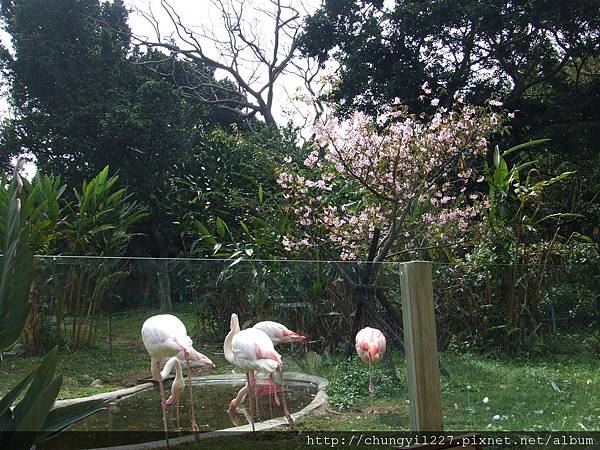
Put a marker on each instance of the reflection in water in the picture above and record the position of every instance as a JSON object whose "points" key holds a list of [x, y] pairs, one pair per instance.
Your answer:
{"points": [[142, 413]]}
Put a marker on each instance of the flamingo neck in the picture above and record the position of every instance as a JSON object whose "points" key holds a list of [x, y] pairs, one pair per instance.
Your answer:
{"points": [[174, 361], [228, 344], [227, 350], [155, 369]]}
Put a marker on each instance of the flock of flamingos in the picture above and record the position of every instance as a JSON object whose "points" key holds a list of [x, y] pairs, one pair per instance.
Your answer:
{"points": [[252, 349]]}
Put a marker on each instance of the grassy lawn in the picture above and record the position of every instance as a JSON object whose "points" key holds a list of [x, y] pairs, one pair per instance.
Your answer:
{"points": [[483, 392]]}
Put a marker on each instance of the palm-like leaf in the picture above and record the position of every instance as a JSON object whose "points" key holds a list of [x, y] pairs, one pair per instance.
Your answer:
{"points": [[17, 268], [101, 217], [30, 419]]}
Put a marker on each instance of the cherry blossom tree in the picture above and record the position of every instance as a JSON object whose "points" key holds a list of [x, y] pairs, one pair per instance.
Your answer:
{"points": [[371, 189]]}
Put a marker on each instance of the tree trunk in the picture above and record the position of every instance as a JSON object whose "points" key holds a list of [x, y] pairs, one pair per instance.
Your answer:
{"points": [[32, 326], [164, 280], [164, 286]]}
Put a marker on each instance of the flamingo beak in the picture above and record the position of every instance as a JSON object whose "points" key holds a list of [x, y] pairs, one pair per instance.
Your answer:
{"points": [[172, 399], [274, 355], [294, 336], [207, 363], [199, 360]]}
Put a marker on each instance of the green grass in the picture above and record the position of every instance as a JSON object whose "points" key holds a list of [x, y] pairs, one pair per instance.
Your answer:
{"points": [[521, 395], [552, 393], [520, 391]]}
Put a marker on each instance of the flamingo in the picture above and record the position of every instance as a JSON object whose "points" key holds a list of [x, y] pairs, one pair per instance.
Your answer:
{"points": [[196, 361], [251, 350], [164, 336], [370, 347], [279, 334]]}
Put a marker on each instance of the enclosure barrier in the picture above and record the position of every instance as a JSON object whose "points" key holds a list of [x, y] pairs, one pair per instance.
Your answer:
{"points": [[420, 341]]}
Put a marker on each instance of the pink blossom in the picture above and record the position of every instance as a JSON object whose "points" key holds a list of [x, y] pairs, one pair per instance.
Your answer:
{"points": [[287, 244], [426, 160]]}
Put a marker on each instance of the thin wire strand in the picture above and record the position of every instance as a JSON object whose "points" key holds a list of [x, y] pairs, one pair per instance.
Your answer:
{"points": [[290, 261]]}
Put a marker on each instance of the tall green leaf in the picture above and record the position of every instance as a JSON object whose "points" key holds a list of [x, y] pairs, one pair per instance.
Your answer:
{"points": [[516, 148], [16, 270]]}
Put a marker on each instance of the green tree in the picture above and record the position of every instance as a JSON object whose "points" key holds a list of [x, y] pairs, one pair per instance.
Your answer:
{"points": [[482, 48], [67, 62], [540, 58], [86, 99]]}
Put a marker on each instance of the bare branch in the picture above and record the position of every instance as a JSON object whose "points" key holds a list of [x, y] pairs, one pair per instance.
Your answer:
{"points": [[252, 59]]}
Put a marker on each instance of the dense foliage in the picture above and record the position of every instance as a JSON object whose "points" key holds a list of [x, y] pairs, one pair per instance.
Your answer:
{"points": [[418, 161], [29, 419], [540, 58]]}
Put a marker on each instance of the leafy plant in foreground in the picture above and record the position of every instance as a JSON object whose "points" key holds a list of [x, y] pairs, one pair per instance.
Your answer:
{"points": [[31, 419]]}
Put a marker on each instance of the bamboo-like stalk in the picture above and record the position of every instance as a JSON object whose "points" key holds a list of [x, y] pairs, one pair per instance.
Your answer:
{"points": [[76, 307], [68, 292]]}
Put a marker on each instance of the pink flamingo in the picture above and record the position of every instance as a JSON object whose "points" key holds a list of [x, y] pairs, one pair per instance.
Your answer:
{"points": [[164, 336], [370, 346], [279, 334], [251, 350]]}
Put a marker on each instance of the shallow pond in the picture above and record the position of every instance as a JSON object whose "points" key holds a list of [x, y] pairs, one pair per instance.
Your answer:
{"points": [[138, 418]]}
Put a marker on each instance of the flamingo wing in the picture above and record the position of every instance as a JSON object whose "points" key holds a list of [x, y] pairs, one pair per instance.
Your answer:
{"points": [[252, 349]]}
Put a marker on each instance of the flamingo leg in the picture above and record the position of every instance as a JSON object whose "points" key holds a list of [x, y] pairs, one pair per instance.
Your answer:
{"points": [[195, 428], [270, 398], [371, 386], [251, 393], [277, 402], [177, 409], [162, 403], [285, 408], [255, 395]]}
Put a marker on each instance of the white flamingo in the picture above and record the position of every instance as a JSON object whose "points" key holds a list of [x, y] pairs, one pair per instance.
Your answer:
{"points": [[279, 334], [164, 336], [370, 347], [251, 350]]}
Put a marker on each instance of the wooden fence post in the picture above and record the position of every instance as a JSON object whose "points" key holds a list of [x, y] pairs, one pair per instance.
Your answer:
{"points": [[420, 340]]}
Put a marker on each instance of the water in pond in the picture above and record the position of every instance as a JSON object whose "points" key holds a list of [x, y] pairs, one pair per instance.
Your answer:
{"points": [[142, 414]]}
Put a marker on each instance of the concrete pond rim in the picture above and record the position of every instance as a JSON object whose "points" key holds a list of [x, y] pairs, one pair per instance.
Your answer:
{"points": [[320, 399]]}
